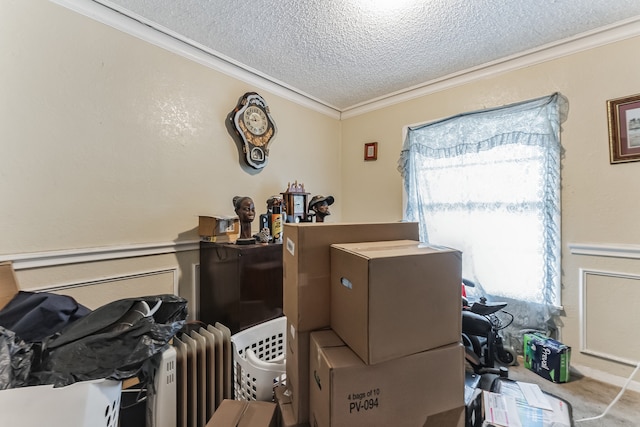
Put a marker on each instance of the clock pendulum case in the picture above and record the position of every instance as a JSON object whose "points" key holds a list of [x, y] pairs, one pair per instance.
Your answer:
{"points": [[253, 129]]}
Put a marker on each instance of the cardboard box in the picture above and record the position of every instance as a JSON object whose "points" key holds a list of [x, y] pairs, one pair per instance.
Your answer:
{"points": [[451, 418], [345, 392], [243, 413], [220, 229], [392, 299], [307, 264], [8, 283], [298, 372], [547, 357], [285, 408]]}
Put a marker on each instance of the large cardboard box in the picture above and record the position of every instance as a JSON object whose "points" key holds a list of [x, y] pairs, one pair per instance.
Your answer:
{"points": [[243, 413], [298, 372], [547, 357], [8, 283], [219, 229], [392, 299], [346, 392], [307, 264]]}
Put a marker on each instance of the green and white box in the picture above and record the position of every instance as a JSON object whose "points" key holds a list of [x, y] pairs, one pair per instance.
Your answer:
{"points": [[547, 357]]}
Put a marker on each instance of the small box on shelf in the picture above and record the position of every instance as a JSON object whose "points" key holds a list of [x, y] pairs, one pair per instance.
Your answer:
{"points": [[220, 229]]}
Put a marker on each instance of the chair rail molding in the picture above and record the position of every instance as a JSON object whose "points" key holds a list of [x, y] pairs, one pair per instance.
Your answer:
{"points": [[615, 250], [75, 256], [112, 279]]}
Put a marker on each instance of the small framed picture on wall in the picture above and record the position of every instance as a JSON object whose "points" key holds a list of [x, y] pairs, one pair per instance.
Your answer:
{"points": [[371, 151], [624, 129]]}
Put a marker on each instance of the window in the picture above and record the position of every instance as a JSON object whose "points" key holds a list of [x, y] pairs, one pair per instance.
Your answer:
{"points": [[488, 183]]}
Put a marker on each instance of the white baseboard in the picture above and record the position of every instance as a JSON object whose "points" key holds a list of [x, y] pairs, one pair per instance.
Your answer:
{"points": [[607, 378]]}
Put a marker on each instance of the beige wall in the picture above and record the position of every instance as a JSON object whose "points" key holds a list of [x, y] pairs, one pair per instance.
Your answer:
{"points": [[599, 200], [111, 142]]}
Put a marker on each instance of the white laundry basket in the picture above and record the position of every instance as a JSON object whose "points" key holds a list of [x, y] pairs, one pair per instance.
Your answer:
{"points": [[88, 403], [259, 360]]}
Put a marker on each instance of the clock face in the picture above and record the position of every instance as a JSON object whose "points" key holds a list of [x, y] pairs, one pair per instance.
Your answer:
{"points": [[298, 204], [255, 120]]}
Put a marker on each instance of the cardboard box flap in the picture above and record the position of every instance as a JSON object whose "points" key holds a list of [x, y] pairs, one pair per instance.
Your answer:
{"points": [[327, 338], [238, 413], [259, 413], [228, 413], [394, 248], [282, 395], [8, 283]]}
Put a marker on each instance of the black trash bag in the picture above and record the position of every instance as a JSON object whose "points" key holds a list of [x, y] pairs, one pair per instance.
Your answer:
{"points": [[114, 341], [33, 316], [16, 357]]}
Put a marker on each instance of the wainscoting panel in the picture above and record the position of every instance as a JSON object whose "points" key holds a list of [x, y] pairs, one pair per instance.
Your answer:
{"points": [[609, 318], [94, 294]]}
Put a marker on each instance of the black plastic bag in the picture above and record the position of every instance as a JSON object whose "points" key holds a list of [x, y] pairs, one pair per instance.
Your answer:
{"points": [[103, 344], [16, 357], [33, 316]]}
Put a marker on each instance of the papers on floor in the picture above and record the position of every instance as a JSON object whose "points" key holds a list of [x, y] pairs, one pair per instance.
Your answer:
{"points": [[521, 404], [534, 396]]}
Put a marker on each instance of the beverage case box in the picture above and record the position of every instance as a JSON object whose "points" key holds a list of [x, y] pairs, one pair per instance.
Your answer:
{"points": [[416, 390], [307, 264], [392, 299], [547, 357]]}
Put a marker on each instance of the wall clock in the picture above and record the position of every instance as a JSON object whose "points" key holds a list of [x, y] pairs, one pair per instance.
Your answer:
{"points": [[254, 128]]}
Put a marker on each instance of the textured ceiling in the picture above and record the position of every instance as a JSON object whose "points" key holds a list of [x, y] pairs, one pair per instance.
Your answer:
{"points": [[348, 52]]}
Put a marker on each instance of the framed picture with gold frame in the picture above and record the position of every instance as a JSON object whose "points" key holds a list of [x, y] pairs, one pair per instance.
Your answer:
{"points": [[624, 129]]}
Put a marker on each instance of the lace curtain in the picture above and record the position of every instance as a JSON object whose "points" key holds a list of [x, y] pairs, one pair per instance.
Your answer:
{"points": [[488, 183]]}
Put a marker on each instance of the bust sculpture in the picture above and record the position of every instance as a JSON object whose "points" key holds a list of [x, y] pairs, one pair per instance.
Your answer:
{"points": [[320, 206], [246, 212]]}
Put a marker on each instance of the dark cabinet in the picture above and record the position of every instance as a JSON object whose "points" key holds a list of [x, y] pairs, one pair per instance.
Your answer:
{"points": [[240, 285]]}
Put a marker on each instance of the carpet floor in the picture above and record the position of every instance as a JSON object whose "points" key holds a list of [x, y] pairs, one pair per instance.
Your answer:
{"points": [[589, 398]]}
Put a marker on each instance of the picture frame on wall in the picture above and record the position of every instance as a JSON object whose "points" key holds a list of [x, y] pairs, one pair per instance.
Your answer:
{"points": [[624, 129], [371, 151]]}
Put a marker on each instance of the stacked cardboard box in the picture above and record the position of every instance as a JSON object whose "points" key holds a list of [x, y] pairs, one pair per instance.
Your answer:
{"points": [[307, 289], [393, 299], [373, 327]]}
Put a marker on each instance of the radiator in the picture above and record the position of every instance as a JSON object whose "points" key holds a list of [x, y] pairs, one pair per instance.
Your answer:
{"points": [[202, 376]]}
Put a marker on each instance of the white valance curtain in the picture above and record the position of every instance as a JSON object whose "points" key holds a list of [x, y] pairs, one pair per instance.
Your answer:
{"points": [[488, 183]]}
